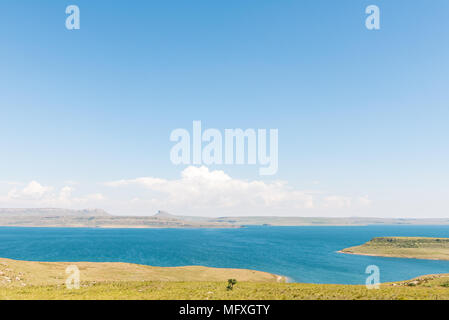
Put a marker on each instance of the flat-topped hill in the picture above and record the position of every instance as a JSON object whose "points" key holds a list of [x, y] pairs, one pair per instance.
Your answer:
{"points": [[404, 247], [96, 218]]}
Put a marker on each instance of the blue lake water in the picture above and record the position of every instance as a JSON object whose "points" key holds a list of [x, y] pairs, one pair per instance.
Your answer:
{"points": [[304, 254]]}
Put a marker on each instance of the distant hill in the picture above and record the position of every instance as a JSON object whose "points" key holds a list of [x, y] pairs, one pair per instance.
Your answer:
{"points": [[351, 221], [312, 221], [164, 215], [97, 218]]}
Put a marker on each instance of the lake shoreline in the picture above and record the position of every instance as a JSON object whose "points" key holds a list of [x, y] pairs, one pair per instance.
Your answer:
{"points": [[303, 254], [30, 280], [267, 276]]}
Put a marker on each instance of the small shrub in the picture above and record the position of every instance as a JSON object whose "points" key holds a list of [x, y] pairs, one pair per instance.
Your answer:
{"points": [[231, 283]]}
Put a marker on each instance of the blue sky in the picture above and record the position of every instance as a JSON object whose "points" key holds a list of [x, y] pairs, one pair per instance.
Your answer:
{"points": [[362, 115]]}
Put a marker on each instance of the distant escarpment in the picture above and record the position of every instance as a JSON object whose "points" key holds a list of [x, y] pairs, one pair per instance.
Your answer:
{"points": [[96, 218]]}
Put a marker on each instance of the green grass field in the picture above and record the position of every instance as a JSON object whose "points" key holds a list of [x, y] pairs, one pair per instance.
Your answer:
{"points": [[22, 280], [404, 247], [430, 287]]}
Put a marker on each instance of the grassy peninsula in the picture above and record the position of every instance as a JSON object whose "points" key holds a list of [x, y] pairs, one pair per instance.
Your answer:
{"points": [[24, 280], [404, 247]]}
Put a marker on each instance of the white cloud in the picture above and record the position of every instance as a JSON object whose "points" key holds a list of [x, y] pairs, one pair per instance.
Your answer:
{"points": [[94, 196], [34, 190], [201, 191], [34, 194], [65, 193], [364, 201], [198, 191], [337, 202]]}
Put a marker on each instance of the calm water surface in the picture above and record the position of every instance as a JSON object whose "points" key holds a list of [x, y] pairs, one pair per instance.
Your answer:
{"points": [[304, 254]]}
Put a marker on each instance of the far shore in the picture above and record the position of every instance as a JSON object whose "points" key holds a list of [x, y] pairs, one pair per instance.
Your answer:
{"points": [[117, 227]]}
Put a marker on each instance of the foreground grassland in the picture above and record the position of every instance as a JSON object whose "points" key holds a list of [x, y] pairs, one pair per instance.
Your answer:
{"points": [[105, 281], [404, 247], [429, 287]]}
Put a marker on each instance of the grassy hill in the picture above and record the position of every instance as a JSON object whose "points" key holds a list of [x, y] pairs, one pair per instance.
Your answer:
{"points": [[45, 280], [404, 247], [15, 274]]}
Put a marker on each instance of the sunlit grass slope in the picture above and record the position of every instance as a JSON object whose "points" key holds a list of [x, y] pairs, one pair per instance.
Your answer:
{"points": [[27, 273]]}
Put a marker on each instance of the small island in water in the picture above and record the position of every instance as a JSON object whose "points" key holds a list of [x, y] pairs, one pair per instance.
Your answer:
{"points": [[404, 247]]}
